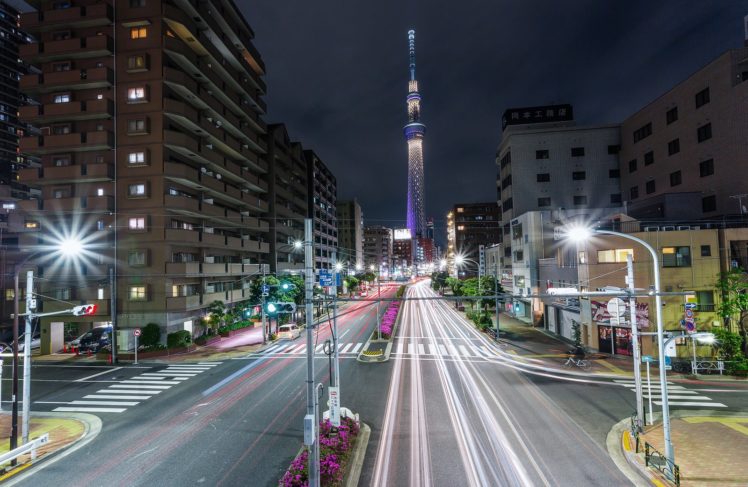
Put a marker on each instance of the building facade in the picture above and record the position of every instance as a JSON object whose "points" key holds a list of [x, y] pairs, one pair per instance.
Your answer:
{"points": [[350, 233], [287, 198], [322, 208], [414, 132], [151, 147], [378, 249], [476, 225], [683, 156]]}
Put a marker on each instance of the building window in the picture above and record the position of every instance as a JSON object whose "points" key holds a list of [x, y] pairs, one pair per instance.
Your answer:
{"points": [[673, 147], [632, 165], [649, 158], [613, 255], [702, 97], [634, 192], [577, 152], [675, 178], [579, 175], [544, 202], [706, 250], [61, 129], [136, 95], [614, 149], [61, 98], [61, 161], [615, 198], [136, 223], [62, 294], [99, 191], [642, 133], [137, 63], [704, 132], [138, 126], [137, 293], [580, 200], [542, 154], [140, 32], [10, 294], [136, 158], [61, 35], [650, 186], [543, 177], [137, 3], [706, 168], [614, 173], [136, 190], [671, 115], [60, 67], [137, 258], [31, 224], [709, 203], [676, 257]]}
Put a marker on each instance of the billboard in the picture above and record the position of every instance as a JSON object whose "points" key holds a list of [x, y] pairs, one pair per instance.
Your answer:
{"points": [[548, 113], [601, 316], [402, 234]]}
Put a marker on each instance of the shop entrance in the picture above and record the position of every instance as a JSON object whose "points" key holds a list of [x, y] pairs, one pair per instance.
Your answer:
{"points": [[621, 340]]}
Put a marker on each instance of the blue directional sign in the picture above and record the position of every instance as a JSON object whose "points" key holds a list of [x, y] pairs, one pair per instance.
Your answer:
{"points": [[691, 306], [325, 278], [265, 288], [647, 358]]}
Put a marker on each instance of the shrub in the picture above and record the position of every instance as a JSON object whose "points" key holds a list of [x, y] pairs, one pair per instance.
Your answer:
{"points": [[400, 292], [150, 335], [178, 339]]}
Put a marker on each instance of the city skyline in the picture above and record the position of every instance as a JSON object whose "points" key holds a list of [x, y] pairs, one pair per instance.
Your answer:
{"points": [[336, 109]]}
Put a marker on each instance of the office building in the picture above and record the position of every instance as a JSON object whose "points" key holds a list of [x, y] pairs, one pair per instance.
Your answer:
{"points": [[476, 225], [350, 233], [378, 248]]}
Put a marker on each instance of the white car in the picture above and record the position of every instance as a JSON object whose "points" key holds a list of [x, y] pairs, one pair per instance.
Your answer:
{"points": [[36, 342], [290, 331]]}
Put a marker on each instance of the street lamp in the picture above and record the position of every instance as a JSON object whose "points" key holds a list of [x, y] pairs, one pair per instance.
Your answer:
{"points": [[581, 234]]}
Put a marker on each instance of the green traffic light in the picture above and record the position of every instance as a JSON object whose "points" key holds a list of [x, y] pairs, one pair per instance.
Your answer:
{"points": [[272, 308]]}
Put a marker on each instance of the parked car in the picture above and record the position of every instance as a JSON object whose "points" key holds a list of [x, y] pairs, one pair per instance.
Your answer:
{"points": [[36, 342], [363, 294], [290, 331], [95, 339]]}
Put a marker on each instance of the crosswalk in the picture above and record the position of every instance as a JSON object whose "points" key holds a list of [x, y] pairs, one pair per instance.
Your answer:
{"points": [[117, 398], [403, 348], [676, 395]]}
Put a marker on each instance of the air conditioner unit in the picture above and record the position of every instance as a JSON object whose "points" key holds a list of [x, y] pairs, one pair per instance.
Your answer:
{"points": [[246, 146], [668, 228], [203, 170], [209, 146], [651, 229], [208, 230]]}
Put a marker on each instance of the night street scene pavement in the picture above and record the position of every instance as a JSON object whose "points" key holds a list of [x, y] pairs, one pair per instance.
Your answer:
{"points": [[307, 244]]}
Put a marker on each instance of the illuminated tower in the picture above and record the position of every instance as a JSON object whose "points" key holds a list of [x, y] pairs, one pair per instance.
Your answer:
{"points": [[414, 130]]}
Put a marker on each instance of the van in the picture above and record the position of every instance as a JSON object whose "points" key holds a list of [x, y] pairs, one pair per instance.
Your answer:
{"points": [[290, 331]]}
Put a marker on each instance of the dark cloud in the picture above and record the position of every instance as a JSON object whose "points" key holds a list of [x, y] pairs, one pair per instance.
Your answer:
{"points": [[337, 76]]}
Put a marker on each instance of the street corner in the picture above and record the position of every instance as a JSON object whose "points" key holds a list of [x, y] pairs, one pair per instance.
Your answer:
{"points": [[67, 432]]}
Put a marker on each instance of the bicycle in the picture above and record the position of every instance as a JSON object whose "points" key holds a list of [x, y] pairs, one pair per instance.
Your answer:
{"points": [[577, 362]]}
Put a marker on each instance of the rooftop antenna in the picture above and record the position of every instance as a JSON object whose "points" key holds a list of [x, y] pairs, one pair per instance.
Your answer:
{"points": [[412, 45]]}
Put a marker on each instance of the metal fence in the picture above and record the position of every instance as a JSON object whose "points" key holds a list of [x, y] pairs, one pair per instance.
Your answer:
{"points": [[655, 459]]}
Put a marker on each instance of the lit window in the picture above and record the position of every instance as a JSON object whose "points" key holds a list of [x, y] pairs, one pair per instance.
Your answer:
{"points": [[10, 294], [136, 189], [136, 158], [136, 94], [582, 256], [62, 98], [138, 32], [100, 192], [99, 96], [137, 293], [31, 224], [613, 255], [137, 223]]}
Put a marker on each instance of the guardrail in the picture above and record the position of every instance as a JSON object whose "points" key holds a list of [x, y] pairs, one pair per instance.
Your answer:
{"points": [[708, 366], [655, 459], [31, 446]]}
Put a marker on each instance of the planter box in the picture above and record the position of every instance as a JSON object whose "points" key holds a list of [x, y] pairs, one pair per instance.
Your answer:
{"points": [[210, 341]]}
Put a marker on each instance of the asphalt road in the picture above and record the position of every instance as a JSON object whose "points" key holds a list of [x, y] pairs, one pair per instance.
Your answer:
{"points": [[236, 422]]}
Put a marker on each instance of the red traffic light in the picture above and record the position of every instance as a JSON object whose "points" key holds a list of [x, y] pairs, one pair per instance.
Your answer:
{"points": [[85, 310]]}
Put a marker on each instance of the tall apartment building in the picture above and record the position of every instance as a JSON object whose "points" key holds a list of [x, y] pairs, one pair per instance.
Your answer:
{"points": [[683, 156], [350, 232], [287, 198], [152, 147], [378, 248], [476, 225], [321, 207]]}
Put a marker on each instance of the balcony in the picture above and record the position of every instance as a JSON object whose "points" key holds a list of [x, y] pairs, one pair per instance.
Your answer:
{"points": [[183, 303], [95, 15], [255, 246], [212, 239], [182, 269], [237, 295], [77, 79], [182, 204], [75, 48], [212, 210], [91, 203], [181, 236], [210, 297], [67, 174], [72, 142], [75, 110], [209, 269]]}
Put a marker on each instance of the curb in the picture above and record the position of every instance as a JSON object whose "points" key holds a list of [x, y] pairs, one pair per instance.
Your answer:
{"points": [[92, 429], [357, 461], [614, 443], [384, 357]]}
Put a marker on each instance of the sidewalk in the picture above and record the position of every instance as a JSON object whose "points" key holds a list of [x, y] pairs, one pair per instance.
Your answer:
{"points": [[710, 448]]}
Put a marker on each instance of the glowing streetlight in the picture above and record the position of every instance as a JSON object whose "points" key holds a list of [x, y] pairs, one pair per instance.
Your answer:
{"points": [[372, 267], [297, 244], [359, 267], [70, 247], [338, 266]]}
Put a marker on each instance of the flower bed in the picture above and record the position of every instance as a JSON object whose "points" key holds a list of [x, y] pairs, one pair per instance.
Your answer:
{"points": [[334, 454], [389, 319]]}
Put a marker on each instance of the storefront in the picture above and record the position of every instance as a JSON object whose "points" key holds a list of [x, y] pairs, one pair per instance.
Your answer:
{"points": [[560, 320], [617, 338]]}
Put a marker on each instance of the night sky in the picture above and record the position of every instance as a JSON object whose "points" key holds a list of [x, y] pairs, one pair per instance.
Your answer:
{"points": [[337, 77]]}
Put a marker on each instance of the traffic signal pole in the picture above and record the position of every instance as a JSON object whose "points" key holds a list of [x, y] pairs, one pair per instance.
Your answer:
{"points": [[311, 439], [262, 293], [27, 356], [334, 407]]}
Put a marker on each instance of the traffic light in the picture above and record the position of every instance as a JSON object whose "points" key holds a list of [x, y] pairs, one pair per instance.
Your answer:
{"points": [[271, 308], [85, 310], [287, 286], [280, 308]]}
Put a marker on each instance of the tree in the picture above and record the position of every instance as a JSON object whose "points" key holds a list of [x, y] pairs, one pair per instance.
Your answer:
{"points": [[439, 280], [216, 314], [352, 284], [454, 284], [485, 286], [733, 307]]}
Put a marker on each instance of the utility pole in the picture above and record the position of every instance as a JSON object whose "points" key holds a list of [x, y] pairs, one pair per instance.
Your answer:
{"points": [[310, 420], [335, 380], [113, 311], [496, 292], [30, 305], [635, 339], [262, 293], [14, 390]]}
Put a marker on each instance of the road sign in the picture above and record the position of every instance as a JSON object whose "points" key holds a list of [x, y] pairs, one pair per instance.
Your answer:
{"points": [[616, 307], [689, 314], [325, 278], [690, 326], [690, 306], [265, 288], [136, 332], [334, 406], [647, 358]]}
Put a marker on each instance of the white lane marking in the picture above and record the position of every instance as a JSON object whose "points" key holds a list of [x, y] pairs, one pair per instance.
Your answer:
{"points": [[104, 403], [176, 378], [184, 369], [344, 334], [299, 349], [124, 391], [421, 351], [209, 363], [138, 377], [98, 374], [464, 350], [345, 348], [192, 366], [400, 348], [671, 397], [270, 349], [167, 374], [700, 404], [319, 347], [149, 382], [137, 386], [355, 349], [88, 410], [443, 350], [430, 349], [107, 396]]}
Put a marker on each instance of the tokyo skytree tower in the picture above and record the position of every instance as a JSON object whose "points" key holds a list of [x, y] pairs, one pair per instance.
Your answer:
{"points": [[414, 130]]}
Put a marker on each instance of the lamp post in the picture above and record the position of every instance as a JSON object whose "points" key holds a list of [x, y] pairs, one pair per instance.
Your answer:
{"points": [[379, 297], [581, 234]]}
